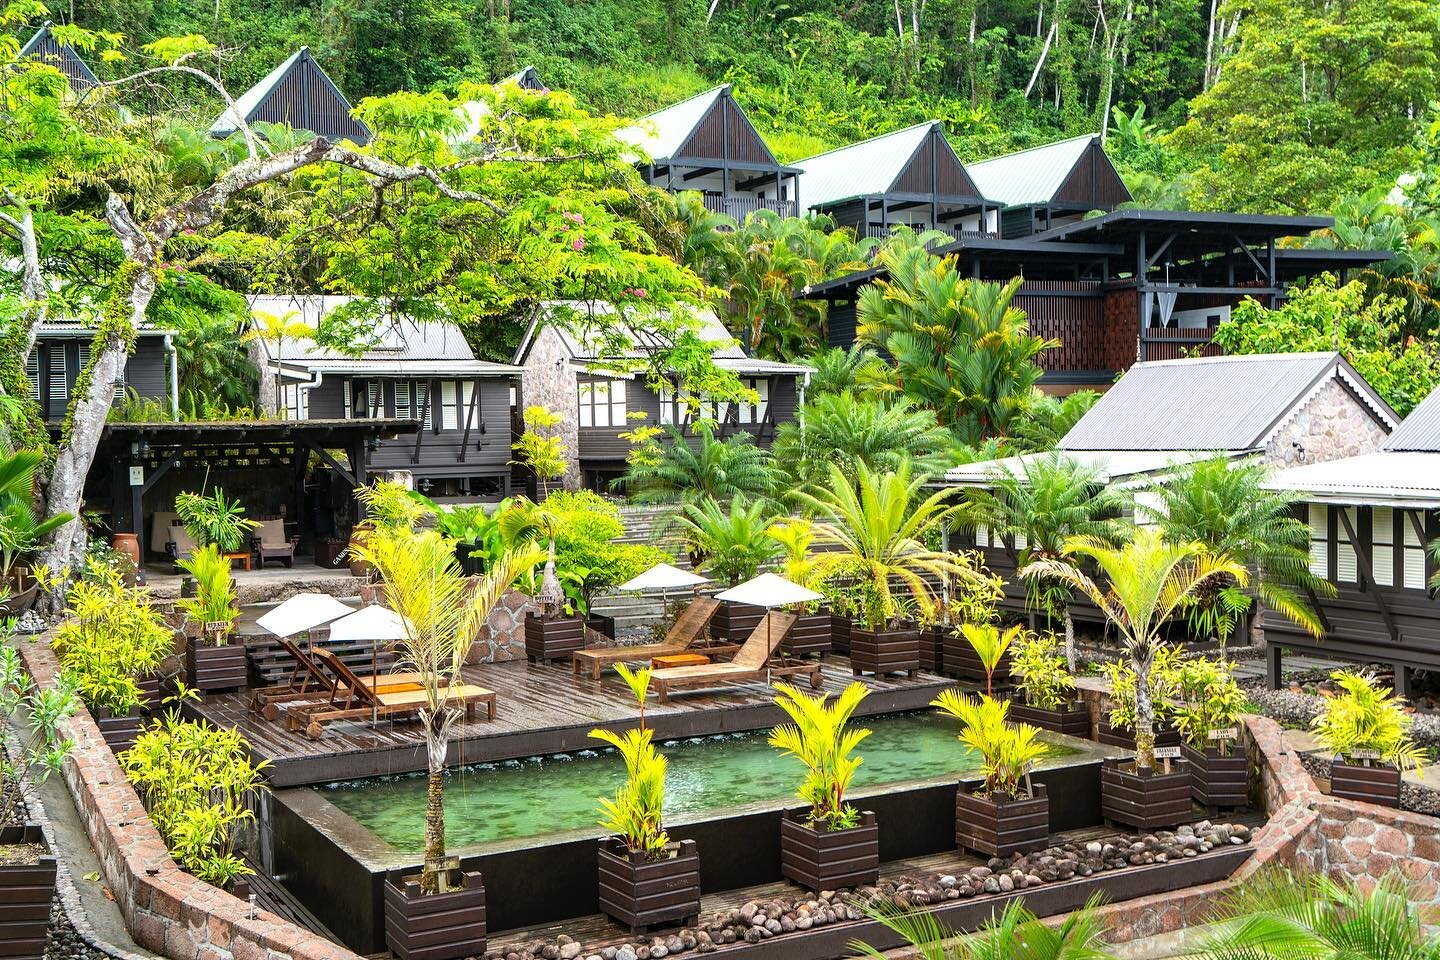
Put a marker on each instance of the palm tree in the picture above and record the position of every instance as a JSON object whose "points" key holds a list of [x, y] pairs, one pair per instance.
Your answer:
{"points": [[1147, 581], [442, 610], [1046, 419], [712, 469], [850, 430], [1225, 507], [1311, 917], [1053, 499], [274, 331], [732, 542], [879, 524], [840, 369], [1016, 934]]}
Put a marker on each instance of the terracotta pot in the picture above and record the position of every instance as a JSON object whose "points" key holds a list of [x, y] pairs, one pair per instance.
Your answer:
{"points": [[1215, 780], [547, 640], [437, 926], [128, 545], [26, 891], [1353, 781], [884, 651], [1072, 719], [643, 893], [999, 827], [1146, 801], [829, 859]]}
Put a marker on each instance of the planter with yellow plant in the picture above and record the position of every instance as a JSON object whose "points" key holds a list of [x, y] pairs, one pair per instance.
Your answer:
{"points": [[1006, 813], [1045, 694], [1368, 732], [212, 662], [1207, 716], [813, 625]]}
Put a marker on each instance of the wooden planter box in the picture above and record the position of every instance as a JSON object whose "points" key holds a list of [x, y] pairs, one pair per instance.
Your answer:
{"points": [[884, 651], [734, 622], [999, 828], [25, 894], [932, 648], [211, 668], [1354, 781], [120, 733], [840, 628], [603, 625], [1217, 781], [1124, 737], [646, 893], [811, 634], [149, 693], [441, 926], [961, 660], [547, 640], [1145, 802], [829, 859], [1072, 719]]}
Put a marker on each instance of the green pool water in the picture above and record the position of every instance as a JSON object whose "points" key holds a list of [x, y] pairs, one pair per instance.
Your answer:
{"points": [[518, 799]]}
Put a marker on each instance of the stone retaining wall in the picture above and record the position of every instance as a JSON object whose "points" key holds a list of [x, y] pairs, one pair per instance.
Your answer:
{"points": [[167, 910]]}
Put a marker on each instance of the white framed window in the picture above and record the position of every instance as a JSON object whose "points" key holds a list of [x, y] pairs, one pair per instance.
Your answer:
{"points": [[982, 535], [755, 412], [1347, 569], [1412, 549], [1382, 545], [402, 399], [1320, 540], [421, 392], [295, 401], [58, 389], [347, 393], [374, 399], [32, 371], [449, 409], [601, 403]]}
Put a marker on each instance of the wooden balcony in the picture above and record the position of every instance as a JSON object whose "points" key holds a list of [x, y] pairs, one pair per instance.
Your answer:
{"points": [[738, 208], [881, 232]]}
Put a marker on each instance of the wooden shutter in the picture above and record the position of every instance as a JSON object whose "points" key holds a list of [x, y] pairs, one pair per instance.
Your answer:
{"points": [[1382, 545]]}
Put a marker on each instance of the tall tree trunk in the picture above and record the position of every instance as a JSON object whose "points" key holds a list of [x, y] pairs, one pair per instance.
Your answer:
{"points": [[1070, 657], [1144, 716], [434, 873]]}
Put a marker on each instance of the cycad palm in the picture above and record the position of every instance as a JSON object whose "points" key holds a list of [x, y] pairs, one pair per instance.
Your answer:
{"points": [[1225, 507], [838, 369], [1051, 500], [732, 541], [852, 430], [878, 524], [714, 469], [1016, 934], [1146, 582], [1047, 419], [1280, 916]]}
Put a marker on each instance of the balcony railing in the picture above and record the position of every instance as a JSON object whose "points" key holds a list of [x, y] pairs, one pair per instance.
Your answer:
{"points": [[738, 208], [881, 232]]}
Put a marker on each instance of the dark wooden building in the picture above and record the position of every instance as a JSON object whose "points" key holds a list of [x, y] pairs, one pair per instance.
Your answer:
{"points": [[561, 372], [706, 143], [423, 371], [1127, 286], [297, 93], [910, 177], [1050, 185], [1371, 518], [526, 79], [62, 349], [44, 48]]}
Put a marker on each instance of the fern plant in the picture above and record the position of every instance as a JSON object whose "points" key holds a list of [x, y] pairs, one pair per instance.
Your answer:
{"points": [[1008, 751], [1365, 721], [817, 735], [1045, 679], [636, 813]]}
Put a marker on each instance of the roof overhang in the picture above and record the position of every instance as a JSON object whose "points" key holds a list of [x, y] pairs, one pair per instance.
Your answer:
{"points": [[1386, 478], [1120, 467], [399, 368], [1129, 222], [229, 432]]}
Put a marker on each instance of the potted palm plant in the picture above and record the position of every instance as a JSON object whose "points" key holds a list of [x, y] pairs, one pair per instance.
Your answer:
{"points": [[981, 651], [553, 633], [1207, 716], [1368, 733], [812, 630], [878, 525], [215, 520], [212, 662], [36, 748], [1006, 814], [1045, 695], [1147, 581], [731, 544], [438, 913], [969, 600], [1117, 725], [831, 844], [645, 877]]}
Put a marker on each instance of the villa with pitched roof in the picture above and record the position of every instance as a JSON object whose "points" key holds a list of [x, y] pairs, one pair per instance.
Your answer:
{"points": [[45, 48], [299, 94], [1050, 185], [910, 177], [706, 143]]}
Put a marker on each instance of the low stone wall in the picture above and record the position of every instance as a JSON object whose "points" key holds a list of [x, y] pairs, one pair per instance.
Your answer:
{"points": [[167, 910]]}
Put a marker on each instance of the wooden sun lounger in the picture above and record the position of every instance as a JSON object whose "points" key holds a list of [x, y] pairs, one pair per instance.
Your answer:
{"points": [[308, 683], [687, 630], [755, 661], [355, 700]]}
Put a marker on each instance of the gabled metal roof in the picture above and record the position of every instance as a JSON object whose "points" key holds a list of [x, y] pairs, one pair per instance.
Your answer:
{"points": [[861, 169], [1420, 431], [298, 92], [661, 134], [527, 78], [1228, 404], [45, 48], [1029, 176], [1111, 466]]}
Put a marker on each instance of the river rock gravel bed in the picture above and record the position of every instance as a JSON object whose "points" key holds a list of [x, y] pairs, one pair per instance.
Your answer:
{"points": [[757, 920]]}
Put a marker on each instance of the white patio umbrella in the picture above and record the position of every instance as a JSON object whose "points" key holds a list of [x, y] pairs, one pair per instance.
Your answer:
{"points": [[377, 623], [302, 612], [769, 590], [664, 577]]}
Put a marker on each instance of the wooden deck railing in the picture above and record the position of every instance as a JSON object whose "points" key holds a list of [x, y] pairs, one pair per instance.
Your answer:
{"points": [[738, 208]]}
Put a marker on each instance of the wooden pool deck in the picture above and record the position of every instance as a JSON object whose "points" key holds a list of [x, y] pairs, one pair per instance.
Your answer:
{"points": [[542, 709]]}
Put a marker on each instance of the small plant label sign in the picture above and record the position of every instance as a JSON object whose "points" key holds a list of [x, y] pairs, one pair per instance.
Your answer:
{"points": [[217, 626], [1226, 733], [1167, 753], [1364, 754]]}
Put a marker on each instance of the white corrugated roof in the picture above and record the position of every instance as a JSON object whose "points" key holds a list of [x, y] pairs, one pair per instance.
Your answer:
{"points": [[1029, 176], [1404, 478], [661, 134], [1111, 465], [861, 169]]}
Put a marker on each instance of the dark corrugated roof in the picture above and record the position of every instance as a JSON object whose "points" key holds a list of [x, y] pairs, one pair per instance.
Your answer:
{"points": [[45, 48], [1208, 403], [1421, 430]]}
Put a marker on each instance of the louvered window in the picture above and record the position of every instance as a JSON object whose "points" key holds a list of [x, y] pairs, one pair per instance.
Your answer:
{"points": [[1382, 541], [402, 399], [421, 392], [449, 407], [1413, 550], [1320, 540], [348, 398], [32, 371], [1346, 567], [58, 387], [982, 535]]}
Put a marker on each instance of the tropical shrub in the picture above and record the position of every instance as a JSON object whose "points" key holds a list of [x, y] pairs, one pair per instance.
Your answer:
{"points": [[112, 637], [215, 520], [1008, 751], [32, 714], [20, 529], [818, 737], [1365, 721], [712, 469], [732, 543], [1045, 679], [853, 369], [635, 815], [390, 504], [1045, 419], [1209, 703], [215, 607], [990, 644], [1120, 674], [540, 448], [1016, 934], [197, 783], [851, 430]]}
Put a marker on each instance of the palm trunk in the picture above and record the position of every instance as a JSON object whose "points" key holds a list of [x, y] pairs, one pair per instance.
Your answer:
{"points": [[1144, 717], [434, 873], [1070, 657]]}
